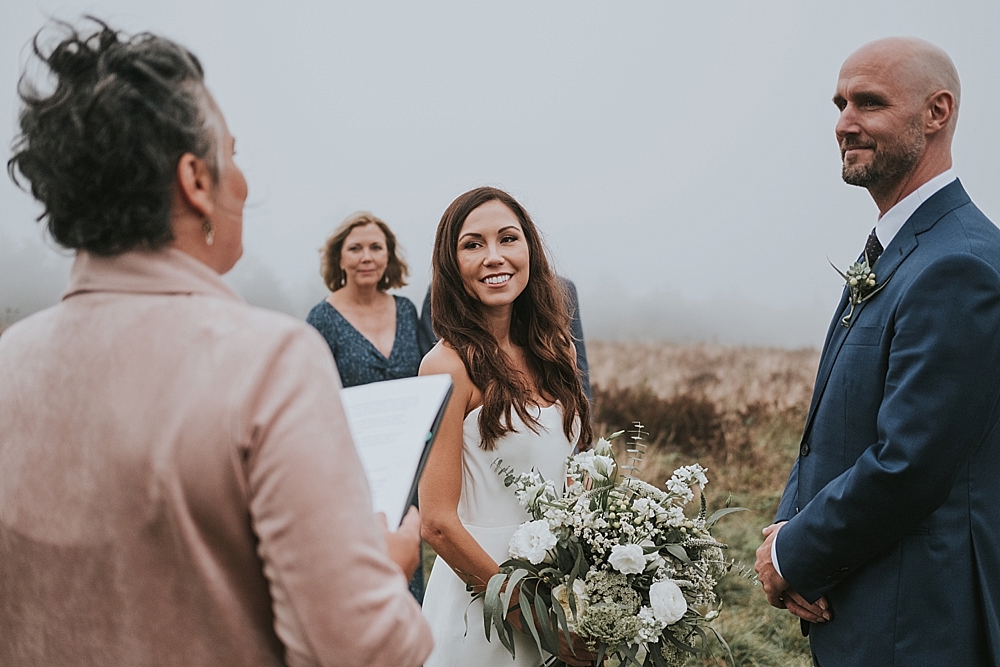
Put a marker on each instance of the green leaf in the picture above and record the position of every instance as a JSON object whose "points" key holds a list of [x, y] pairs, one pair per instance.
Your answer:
{"points": [[602, 650], [677, 551], [517, 563], [491, 602], [678, 643], [718, 514], [528, 619], [561, 616], [630, 651], [702, 636], [542, 612], [515, 579], [656, 653], [729, 653], [842, 274]]}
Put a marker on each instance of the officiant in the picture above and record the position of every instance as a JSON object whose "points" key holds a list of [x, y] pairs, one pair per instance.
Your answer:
{"points": [[178, 484]]}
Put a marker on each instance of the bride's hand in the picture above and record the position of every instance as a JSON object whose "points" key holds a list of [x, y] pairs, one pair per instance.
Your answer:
{"points": [[579, 656], [404, 544]]}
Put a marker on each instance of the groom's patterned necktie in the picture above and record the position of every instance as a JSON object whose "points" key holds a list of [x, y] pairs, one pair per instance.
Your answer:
{"points": [[873, 248]]}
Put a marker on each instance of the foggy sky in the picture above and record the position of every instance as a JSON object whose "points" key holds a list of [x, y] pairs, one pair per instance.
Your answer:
{"points": [[678, 157]]}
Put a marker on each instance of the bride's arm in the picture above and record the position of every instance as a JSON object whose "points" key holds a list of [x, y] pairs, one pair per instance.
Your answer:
{"points": [[441, 482]]}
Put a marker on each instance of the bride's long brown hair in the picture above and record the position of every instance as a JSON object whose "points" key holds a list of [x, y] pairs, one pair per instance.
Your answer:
{"points": [[539, 325]]}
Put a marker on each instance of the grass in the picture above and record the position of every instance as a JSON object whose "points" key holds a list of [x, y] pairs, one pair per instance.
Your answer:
{"points": [[739, 412]]}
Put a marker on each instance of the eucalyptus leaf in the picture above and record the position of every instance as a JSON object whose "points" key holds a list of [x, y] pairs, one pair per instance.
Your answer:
{"points": [[512, 583], [656, 653], [602, 650], [677, 551], [528, 618], [718, 514], [543, 617], [561, 616], [679, 644], [729, 653], [491, 602]]}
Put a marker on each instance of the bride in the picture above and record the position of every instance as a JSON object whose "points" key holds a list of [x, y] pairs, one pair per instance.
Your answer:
{"points": [[505, 341]]}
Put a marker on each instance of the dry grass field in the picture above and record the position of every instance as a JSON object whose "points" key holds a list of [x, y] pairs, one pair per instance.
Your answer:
{"points": [[739, 412], [732, 377]]}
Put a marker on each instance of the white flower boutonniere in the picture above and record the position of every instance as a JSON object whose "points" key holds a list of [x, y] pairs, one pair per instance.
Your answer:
{"points": [[861, 285]]}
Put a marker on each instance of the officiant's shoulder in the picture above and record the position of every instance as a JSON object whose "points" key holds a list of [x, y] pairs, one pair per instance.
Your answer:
{"points": [[266, 334]]}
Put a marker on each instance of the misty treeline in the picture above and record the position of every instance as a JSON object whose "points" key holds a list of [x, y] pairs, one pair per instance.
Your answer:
{"points": [[34, 275]]}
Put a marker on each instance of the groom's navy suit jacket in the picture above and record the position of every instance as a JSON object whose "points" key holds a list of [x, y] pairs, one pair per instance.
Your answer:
{"points": [[893, 505]]}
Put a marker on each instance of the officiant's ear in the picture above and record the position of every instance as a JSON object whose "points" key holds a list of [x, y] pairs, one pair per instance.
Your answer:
{"points": [[940, 111]]}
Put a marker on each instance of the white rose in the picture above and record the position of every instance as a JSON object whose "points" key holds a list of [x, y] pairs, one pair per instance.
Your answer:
{"points": [[602, 447], [667, 601], [627, 558], [599, 467], [531, 541], [532, 494], [654, 562], [561, 595], [641, 506]]}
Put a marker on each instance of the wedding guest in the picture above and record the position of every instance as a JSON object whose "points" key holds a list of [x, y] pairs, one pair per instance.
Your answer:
{"points": [[372, 335], [887, 539], [178, 484], [517, 396], [427, 336]]}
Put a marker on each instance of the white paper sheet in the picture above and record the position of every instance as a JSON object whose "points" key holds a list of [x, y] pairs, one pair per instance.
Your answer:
{"points": [[390, 423]]}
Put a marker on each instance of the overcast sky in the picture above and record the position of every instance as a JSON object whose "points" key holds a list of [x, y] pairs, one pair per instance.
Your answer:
{"points": [[679, 157]]}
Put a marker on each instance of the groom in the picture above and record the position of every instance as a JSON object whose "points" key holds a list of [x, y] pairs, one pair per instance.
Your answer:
{"points": [[887, 539]]}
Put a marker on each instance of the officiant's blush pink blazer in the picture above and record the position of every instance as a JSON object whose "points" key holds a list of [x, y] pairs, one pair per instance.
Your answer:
{"points": [[178, 485]]}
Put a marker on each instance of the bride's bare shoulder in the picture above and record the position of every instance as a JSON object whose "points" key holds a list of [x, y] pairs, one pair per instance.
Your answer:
{"points": [[443, 359]]}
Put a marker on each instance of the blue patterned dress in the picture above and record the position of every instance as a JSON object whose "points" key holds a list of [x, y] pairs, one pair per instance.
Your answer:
{"points": [[360, 362]]}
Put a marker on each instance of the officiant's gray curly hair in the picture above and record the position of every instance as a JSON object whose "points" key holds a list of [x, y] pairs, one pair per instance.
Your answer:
{"points": [[101, 148]]}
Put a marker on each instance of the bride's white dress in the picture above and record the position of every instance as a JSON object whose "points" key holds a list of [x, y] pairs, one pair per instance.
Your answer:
{"points": [[491, 513]]}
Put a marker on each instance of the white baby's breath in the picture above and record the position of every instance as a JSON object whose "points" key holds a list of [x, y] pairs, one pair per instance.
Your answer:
{"points": [[637, 561]]}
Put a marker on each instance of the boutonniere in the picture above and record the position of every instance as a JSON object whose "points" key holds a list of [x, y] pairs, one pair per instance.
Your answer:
{"points": [[861, 285]]}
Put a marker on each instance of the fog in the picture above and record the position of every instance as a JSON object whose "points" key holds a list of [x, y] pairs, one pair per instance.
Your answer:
{"points": [[678, 157]]}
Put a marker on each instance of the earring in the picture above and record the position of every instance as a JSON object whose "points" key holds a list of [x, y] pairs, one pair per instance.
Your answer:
{"points": [[206, 227]]}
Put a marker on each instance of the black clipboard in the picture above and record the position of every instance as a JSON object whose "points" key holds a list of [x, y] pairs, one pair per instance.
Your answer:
{"points": [[411, 497]]}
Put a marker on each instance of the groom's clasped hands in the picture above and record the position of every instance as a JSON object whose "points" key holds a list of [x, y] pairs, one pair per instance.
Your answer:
{"points": [[778, 592]]}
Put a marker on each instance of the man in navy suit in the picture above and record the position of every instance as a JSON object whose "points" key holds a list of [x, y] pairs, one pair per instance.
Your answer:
{"points": [[887, 538]]}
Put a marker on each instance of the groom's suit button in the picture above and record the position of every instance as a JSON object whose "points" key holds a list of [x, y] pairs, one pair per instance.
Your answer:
{"points": [[804, 449], [838, 575]]}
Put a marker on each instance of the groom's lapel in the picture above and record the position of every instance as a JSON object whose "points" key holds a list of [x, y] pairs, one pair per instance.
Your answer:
{"points": [[834, 340], [940, 204]]}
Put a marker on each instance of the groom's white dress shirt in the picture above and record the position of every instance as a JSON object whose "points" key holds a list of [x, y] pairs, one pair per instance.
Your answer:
{"points": [[886, 229]]}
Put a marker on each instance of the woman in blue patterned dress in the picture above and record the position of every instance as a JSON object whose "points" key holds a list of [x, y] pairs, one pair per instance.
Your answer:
{"points": [[372, 334]]}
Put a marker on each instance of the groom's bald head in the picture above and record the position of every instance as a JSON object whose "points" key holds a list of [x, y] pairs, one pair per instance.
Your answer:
{"points": [[919, 67], [898, 101]]}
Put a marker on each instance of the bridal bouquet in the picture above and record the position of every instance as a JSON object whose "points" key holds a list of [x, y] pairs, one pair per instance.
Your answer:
{"points": [[612, 559]]}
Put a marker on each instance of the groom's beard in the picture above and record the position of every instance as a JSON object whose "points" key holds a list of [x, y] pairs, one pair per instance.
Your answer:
{"points": [[891, 162]]}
